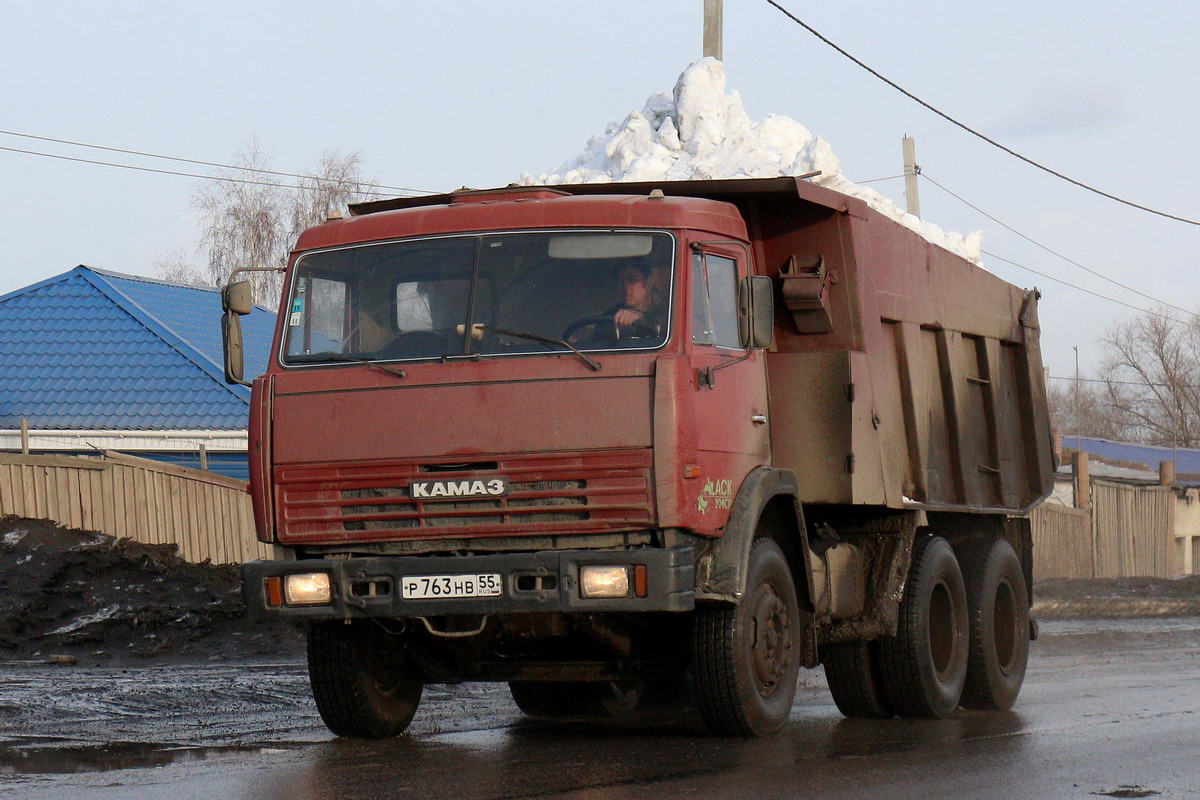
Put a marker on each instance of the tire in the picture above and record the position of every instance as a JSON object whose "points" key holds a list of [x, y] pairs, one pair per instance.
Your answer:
{"points": [[925, 663], [363, 684], [745, 658], [855, 680], [998, 609], [568, 699]]}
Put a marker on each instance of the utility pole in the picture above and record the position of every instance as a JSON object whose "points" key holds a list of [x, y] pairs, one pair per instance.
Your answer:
{"points": [[911, 170], [713, 24], [1076, 414]]}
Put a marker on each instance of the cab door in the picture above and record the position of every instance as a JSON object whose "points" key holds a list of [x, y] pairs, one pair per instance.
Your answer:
{"points": [[729, 387]]}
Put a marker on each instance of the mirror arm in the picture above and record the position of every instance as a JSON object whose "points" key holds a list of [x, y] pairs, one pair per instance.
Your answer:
{"points": [[707, 376], [239, 270], [230, 280]]}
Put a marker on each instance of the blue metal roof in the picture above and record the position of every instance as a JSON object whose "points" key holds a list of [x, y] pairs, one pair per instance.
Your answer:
{"points": [[1187, 461], [91, 349]]}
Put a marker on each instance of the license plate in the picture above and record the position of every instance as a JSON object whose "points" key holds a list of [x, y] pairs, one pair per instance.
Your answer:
{"points": [[425, 587]]}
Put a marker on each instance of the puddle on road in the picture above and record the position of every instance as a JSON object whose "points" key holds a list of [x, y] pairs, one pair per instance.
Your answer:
{"points": [[64, 759]]}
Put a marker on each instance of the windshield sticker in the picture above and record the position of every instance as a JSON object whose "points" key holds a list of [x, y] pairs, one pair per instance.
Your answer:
{"points": [[297, 311], [717, 494]]}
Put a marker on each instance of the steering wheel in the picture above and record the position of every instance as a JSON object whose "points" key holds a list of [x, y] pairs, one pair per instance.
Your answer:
{"points": [[603, 323], [609, 332], [415, 344]]}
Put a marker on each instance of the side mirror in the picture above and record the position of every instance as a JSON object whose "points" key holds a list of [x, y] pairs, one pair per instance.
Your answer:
{"points": [[238, 298], [756, 311], [231, 333]]}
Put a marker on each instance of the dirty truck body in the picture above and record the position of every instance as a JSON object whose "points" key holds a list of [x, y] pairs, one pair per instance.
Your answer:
{"points": [[814, 447]]}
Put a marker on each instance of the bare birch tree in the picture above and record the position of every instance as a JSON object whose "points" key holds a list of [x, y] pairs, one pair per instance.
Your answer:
{"points": [[176, 266], [1152, 378], [250, 218], [1081, 409]]}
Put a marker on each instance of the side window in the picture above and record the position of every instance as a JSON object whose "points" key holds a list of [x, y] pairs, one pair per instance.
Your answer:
{"points": [[319, 310], [412, 307], [714, 301]]}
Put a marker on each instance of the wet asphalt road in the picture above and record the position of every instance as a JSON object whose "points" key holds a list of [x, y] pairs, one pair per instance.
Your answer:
{"points": [[1110, 709]]}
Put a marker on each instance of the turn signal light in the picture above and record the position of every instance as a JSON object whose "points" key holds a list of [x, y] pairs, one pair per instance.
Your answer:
{"points": [[641, 580], [274, 586]]}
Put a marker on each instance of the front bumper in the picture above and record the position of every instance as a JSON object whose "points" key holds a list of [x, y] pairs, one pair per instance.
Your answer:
{"points": [[546, 581]]}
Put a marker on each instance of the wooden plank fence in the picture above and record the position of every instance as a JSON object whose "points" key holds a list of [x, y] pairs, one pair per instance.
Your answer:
{"points": [[1128, 532], [1132, 527], [1062, 542], [207, 515]]}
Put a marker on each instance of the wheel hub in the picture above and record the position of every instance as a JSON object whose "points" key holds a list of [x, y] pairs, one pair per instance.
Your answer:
{"points": [[771, 642]]}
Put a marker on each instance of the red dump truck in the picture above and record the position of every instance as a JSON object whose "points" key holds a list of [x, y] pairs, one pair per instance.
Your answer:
{"points": [[624, 441]]}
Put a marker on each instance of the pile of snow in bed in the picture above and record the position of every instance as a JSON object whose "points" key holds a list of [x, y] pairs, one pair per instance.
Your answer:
{"points": [[700, 132]]}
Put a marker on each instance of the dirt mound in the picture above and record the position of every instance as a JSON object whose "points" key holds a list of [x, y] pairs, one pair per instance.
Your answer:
{"points": [[89, 595]]}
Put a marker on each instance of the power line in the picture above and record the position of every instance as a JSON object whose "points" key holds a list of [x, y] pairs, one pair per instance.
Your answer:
{"points": [[259, 170], [1074, 286], [877, 180], [169, 171], [971, 130], [1144, 384], [1147, 384], [1052, 252]]}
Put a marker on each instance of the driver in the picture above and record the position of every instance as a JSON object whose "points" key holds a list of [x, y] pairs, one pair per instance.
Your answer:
{"points": [[639, 301]]}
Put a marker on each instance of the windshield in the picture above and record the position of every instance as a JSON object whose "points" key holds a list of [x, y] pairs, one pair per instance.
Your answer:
{"points": [[494, 294]]}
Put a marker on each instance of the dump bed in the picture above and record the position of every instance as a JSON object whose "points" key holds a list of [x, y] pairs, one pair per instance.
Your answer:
{"points": [[901, 374]]}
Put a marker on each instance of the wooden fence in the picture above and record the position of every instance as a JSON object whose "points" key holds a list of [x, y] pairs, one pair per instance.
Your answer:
{"points": [[208, 516], [1132, 530], [1128, 532], [1062, 542]]}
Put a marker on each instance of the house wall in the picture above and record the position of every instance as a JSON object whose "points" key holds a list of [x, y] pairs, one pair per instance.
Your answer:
{"points": [[223, 452], [1187, 532]]}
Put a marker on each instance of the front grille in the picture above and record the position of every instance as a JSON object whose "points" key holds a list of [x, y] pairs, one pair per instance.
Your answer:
{"points": [[546, 495]]}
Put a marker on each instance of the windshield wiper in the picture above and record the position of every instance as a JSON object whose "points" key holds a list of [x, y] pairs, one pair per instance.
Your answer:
{"points": [[533, 337], [344, 358]]}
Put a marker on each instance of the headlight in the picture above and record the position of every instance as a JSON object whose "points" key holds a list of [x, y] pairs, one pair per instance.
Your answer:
{"points": [[600, 581], [307, 589]]}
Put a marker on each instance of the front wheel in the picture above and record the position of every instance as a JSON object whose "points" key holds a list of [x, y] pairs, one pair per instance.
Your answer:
{"points": [[745, 658], [925, 663], [362, 680]]}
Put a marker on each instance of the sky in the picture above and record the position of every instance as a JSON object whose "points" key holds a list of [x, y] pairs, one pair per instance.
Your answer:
{"points": [[435, 95]]}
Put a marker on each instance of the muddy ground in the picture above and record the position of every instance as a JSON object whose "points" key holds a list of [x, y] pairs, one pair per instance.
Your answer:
{"points": [[87, 596]]}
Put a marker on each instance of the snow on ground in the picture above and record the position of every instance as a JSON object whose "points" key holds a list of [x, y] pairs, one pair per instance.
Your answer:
{"points": [[700, 132]]}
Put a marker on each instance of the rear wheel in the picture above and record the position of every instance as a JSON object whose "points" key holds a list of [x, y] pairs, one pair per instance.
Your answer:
{"points": [[745, 658], [998, 604], [364, 684], [925, 663], [855, 681]]}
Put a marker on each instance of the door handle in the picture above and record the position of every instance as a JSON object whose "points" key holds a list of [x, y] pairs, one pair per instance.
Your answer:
{"points": [[758, 419]]}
